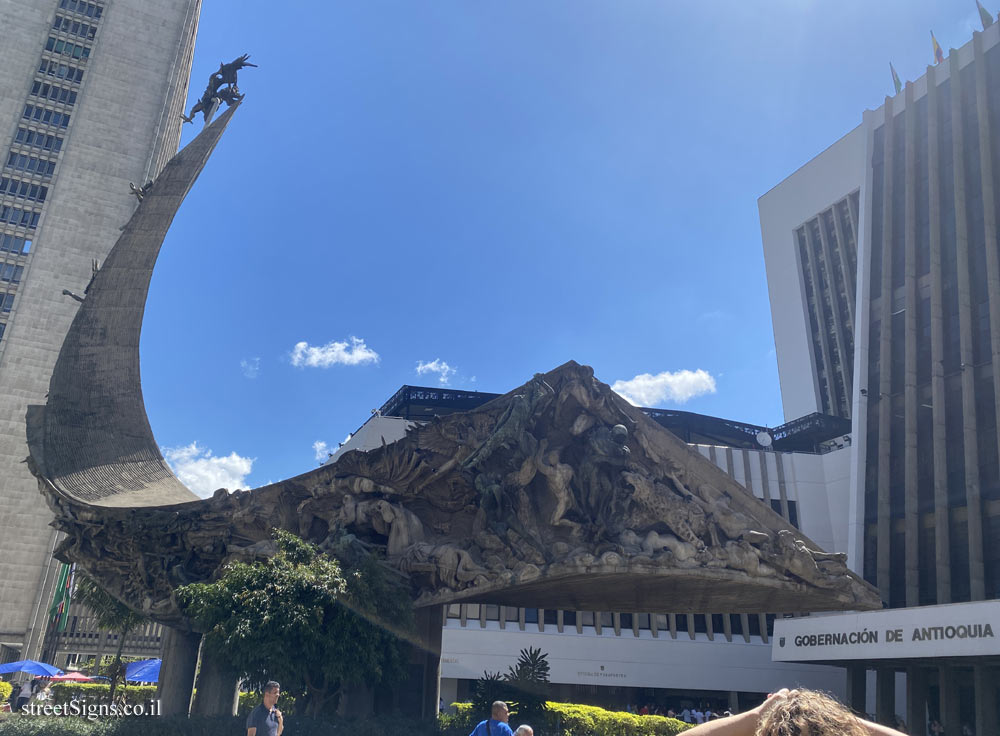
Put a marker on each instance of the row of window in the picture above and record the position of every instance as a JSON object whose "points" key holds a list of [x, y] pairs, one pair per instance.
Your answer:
{"points": [[74, 27], [53, 93], [30, 164], [39, 140], [6, 303], [18, 217], [14, 244], [83, 8], [53, 68], [44, 115], [11, 273], [23, 189], [67, 48]]}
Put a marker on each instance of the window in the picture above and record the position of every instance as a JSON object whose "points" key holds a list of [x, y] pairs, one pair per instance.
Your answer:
{"points": [[36, 139], [30, 164], [53, 92], [45, 116], [90, 10], [53, 68], [3, 327], [531, 615], [23, 189], [6, 302]]}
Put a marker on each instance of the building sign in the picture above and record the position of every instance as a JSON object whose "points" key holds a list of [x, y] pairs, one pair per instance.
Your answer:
{"points": [[956, 630]]}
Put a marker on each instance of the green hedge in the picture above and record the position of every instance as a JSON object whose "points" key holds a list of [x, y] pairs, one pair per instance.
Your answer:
{"points": [[569, 719], [94, 692]]}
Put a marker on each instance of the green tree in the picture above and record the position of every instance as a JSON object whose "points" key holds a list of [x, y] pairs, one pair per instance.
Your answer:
{"points": [[524, 687], [300, 619], [528, 681], [112, 615]]}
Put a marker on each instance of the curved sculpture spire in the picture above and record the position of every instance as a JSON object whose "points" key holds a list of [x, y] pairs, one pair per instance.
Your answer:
{"points": [[92, 440]]}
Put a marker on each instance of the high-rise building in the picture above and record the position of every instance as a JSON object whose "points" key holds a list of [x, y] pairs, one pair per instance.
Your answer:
{"points": [[920, 180], [91, 94]]}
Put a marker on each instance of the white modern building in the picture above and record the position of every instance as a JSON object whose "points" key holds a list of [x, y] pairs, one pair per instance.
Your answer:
{"points": [[91, 93]]}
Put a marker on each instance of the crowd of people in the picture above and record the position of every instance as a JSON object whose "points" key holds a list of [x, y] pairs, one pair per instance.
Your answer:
{"points": [[684, 711], [38, 689]]}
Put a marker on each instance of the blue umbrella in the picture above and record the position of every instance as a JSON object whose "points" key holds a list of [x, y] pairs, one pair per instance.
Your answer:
{"points": [[147, 670], [31, 667]]}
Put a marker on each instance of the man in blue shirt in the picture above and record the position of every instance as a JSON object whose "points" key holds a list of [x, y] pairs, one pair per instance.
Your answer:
{"points": [[496, 725], [265, 719]]}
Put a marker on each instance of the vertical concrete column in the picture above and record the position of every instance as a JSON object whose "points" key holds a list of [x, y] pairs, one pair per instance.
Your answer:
{"points": [[950, 702], [942, 528], [911, 528], [429, 623], [985, 683], [986, 144], [970, 443], [884, 531], [217, 689], [180, 657], [857, 689], [916, 700], [885, 696], [734, 701]]}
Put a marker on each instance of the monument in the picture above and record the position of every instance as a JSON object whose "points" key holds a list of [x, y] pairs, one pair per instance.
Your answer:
{"points": [[557, 494]]}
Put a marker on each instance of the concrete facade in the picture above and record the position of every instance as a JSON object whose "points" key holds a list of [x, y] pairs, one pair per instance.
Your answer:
{"points": [[924, 518], [130, 86]]}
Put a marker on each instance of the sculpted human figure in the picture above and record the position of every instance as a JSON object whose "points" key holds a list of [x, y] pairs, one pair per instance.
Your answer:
{"points": [[450, 565], [792, 555], [402, 526], [557, 479], [605, 456]]}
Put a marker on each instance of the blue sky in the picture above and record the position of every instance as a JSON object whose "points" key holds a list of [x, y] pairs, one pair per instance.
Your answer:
{"points": [[498, 187]]}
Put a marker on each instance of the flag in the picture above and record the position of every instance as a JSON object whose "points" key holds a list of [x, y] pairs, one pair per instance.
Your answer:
{"points": [[58, 611], [984, 15], [938, 53], [895, 79]]}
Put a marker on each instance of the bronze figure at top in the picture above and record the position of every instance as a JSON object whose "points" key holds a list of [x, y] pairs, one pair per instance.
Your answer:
{"points": [[221, 88]]}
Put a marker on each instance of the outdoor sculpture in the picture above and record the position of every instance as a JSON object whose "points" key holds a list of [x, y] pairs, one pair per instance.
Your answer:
{"points": [[221, 88], [558, 494]]}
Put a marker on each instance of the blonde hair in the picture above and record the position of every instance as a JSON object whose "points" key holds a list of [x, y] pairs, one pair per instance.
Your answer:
{"points": [[808, 713]]}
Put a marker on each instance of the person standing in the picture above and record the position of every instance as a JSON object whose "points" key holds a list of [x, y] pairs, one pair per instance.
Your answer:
{"points": [[495, 725], [266, 719], [524, 730], [24, 695]]}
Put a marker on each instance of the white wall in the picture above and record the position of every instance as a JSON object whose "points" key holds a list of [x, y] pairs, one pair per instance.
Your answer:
{"points": [[630, 661], [826, 179]]}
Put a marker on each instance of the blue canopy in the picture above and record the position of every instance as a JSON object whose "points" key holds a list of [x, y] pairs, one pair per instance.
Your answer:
{"points": [[31, 667], [147, 670]]}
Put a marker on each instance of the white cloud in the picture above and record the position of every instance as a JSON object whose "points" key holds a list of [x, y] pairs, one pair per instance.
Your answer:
{"points": [[322, 450], [680, 386], [333, 353], [443, 370], [250, 367], [205, 473]]}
